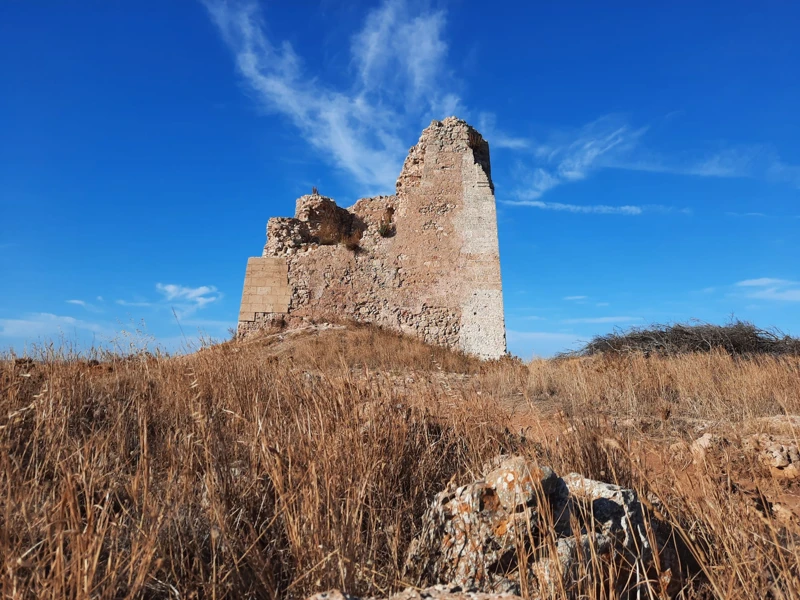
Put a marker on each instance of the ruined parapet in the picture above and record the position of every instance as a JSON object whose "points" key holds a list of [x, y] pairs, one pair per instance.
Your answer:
{"points": [[425, 261]]}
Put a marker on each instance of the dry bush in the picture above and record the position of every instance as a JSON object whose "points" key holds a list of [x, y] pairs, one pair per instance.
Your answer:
{"points": [[282, 468], [352, 241], [737, 338], [385, 226]]}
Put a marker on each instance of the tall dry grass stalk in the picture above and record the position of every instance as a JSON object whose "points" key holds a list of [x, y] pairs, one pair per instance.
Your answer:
{"points": [[284, 467]]}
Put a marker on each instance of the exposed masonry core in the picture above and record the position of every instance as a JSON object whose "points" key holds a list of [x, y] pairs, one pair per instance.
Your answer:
{"points": [[424, 261]]}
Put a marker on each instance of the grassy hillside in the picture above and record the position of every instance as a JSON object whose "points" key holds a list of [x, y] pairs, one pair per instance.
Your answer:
{"points": [[291, 464]]}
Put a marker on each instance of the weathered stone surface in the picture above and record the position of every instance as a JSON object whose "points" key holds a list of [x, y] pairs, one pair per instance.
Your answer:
{"points": [[470, 533], [424, 261], [437, 592], [473, 535], [781, 455], [705, 444]]}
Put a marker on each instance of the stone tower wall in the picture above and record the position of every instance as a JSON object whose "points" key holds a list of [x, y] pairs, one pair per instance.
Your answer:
{"points": [[425, 261]]}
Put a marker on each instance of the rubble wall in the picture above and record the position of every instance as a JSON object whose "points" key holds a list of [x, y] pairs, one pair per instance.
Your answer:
{"points": [[424, 261]]}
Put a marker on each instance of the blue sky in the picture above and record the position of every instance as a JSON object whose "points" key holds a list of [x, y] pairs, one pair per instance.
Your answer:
{"points": [[646, 159]]}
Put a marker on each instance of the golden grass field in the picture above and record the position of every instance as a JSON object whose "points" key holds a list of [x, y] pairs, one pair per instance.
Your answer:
{"points": [[281, 466]]}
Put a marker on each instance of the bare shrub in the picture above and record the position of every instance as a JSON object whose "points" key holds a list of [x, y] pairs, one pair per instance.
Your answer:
{"points": [[385, 226], [736, 338]]}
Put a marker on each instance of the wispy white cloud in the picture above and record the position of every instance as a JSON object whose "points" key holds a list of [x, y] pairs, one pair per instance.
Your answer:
{"points": [[755, 161], [602, 320], [187, 300], [573, 156], [770, 288], [86, 305], [46, 325], [724, 162], [611, 142], [764, 282], [600, 209], [575, 298], [202, 295], [782, 172], [399, 47], [399, 59], [183, 299], [134, 303], [487, 125], [782, 295]]}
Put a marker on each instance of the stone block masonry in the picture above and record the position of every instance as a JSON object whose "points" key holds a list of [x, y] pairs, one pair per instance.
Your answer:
{"points": [[425, 261], [266, 288]]}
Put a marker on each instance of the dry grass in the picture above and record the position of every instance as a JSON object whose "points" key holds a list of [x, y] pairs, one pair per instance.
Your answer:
{"points": [[278, 468]]}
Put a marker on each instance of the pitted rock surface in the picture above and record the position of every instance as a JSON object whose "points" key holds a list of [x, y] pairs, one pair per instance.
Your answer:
{"points": [[472, 534], [779, 453], [437, 592]]}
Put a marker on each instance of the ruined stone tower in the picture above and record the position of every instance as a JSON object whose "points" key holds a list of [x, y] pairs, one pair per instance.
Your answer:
{"points": [[424, 261]]}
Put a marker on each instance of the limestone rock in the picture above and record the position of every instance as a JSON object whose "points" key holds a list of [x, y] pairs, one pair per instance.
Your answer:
{"points": [[708, 442], [437, 592], [780, 455], [472, 535], [616, 512]]}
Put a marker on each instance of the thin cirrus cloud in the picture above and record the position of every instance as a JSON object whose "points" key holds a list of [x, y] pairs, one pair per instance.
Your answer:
{"points": [[187, 300], [87, 305], [487, 124], [755, 161], [770, 288], [46, 325], [610, 142], [573, 156], [596, 209], [575, 298], [363, 126], [183, 299], [764, 282], [134, 303]]}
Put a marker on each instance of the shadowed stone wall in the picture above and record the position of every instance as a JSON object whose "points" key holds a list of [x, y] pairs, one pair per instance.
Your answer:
{"points": [[424, 261]]}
